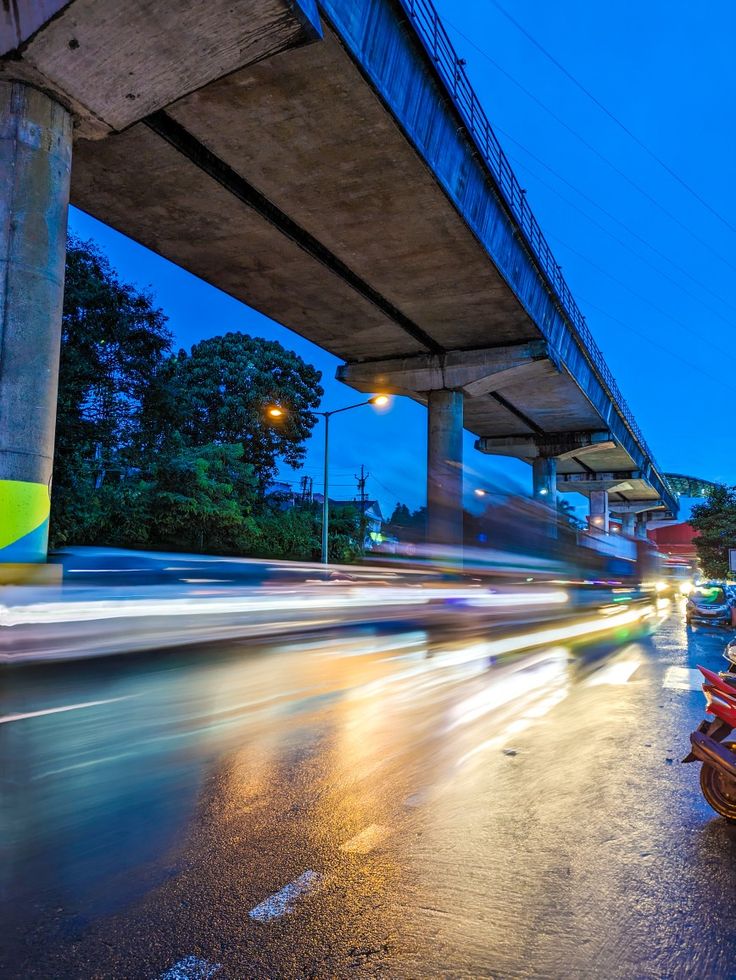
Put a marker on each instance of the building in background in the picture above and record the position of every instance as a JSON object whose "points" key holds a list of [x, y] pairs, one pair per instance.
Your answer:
{"points": [[676, 541]]}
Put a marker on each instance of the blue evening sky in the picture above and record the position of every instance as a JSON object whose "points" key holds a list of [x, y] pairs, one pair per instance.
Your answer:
{"points": [[650, 265]]}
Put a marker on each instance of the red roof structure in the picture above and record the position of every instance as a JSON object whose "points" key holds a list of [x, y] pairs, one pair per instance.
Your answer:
{"points": [[675, 540]]}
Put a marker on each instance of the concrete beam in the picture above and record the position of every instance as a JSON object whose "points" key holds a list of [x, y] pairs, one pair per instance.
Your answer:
{"points": [[597, 442], [635, 506], [660, 515], [561, 445], [35, 166], [476, 372], [114, 63], [594, 482], [618, 476]]}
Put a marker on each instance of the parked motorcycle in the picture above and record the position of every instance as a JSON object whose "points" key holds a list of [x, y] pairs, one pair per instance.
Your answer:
{"points": [[730, 654], [714, 743]]}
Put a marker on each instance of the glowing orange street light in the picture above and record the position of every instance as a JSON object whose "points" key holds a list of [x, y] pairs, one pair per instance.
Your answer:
{"points": [[275, 412]]}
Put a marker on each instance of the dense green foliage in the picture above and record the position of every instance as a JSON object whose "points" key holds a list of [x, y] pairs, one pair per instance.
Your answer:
{"points": [[113, 340], [297, 534], [715, 519], [175, 451], [220, 393]]}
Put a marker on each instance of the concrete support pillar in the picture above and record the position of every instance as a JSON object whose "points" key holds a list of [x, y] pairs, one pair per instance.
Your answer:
{"points": [[544, 478], [445, 468], [544, 483], [641, 526], [599, 515], [628, 525], [35, 164]]}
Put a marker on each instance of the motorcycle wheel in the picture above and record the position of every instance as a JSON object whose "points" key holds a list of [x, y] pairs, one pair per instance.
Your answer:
{"points": [[719, 789]]}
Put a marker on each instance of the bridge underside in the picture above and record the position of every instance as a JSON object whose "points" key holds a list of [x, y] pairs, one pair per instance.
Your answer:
{"points": [[307, 132], [586, 463], [355, 244], [328, 182]]}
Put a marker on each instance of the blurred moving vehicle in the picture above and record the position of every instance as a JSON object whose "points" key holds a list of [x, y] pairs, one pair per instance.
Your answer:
{"points": [[709, 604], [713, 744]]}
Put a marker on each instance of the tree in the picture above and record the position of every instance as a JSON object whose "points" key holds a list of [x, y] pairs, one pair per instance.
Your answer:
{"points": [[292, 534], [400, 516], [346, 534], [403, 517], [157, 450], [296, 534], [202, 497], [715, 519], [113, 341], [220, 393]]}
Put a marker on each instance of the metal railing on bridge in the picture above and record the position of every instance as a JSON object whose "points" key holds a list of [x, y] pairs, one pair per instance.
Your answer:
{"points": [[451, 69]]}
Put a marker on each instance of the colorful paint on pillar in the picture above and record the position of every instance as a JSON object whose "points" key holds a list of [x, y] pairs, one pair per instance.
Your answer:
{"points": [[24, 521]]}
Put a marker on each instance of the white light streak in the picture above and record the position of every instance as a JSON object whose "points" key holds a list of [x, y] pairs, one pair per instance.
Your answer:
{"points": [[5, 719]]}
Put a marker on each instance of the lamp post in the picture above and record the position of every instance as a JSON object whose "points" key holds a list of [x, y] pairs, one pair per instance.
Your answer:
{"points": [[276, 412]]}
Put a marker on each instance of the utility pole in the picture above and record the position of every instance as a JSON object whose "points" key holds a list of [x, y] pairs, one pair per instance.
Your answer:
{"points": [[305, 490], [363, 497], [276, 412]]}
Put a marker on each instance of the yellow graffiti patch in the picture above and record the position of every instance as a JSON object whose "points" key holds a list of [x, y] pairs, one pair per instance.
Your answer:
{"points": [[23, 507]]}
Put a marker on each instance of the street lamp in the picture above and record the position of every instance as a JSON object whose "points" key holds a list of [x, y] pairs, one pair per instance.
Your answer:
{"points": [[276, 412]]}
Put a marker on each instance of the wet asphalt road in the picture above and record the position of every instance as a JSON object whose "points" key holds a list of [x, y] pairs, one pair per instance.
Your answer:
{"points": [[374, 805]]}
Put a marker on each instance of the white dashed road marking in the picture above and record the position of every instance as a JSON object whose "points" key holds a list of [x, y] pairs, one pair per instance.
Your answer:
{"points": [[617, 673], [282, 901], [366, 840], [191, 968], [682, 679]]}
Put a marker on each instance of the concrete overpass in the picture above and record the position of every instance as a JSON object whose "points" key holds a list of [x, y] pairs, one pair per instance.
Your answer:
{"points": [[330, 165]]}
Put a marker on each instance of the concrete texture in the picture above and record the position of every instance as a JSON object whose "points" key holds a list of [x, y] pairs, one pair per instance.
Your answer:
{"points": [[628, 525], [624, 507], [544, 481], [18, 21], [445, 468], [115, 63], [35, 160], [599, 512], [477, 372]]}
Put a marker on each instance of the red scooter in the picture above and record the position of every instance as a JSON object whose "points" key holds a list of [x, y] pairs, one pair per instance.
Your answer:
{"points": [[714, 743]]}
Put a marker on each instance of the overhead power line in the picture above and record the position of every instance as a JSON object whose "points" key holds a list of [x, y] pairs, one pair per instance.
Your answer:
{"points": [[621, 282], [654, 343], [622, 224], [623, 244], [622, 126], [601, 156]]}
